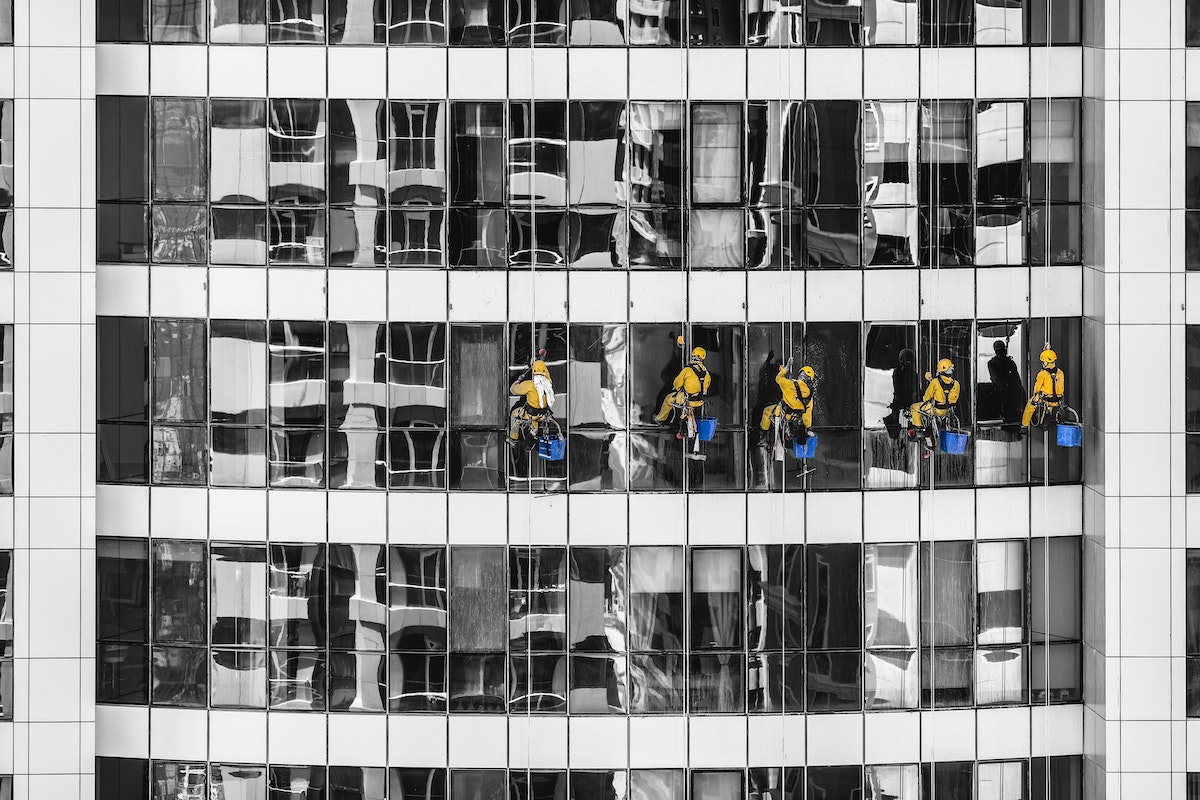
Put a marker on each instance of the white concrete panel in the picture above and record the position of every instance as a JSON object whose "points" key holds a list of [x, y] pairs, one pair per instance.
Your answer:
{"points": [[774, 295], [890, 516], [599, 519], [541, 296], [656, 297], [835, 517], [598, 742], [178, 70], [717, 741], [473, 518], [238, 514], [358, 72], [599, 296], [947, 294], [834, 296], [1144, 176], [53, 620], [123, 69], [892, 738], [477, 73], [54, 352], [1145, 688], [891, 73], [1057, 292], [180, 512], [1003, 512], [358, 517], [295, 71], [1145, 299], [948, 514], [123, 731], [47, 755], [717, 74], [418, 72], [657, 74], [539, 72], [1057, 730], [123, 510], [179, 292], [539, 742], [1143, 597], [834, 73], [1146, 464], [417, 295], [716, 519], [892, 294], [598, 73], [1057, 73], [775, 518], [1145, 747], [358, 295], [716, 296], [535, 519], [237, 293], [53, 689], [658, 742], [835, 739], [239, 736], [417, 518], [948, 72], [1002, 292], [239, 71], [478, 296], [658, 518], [358, 740], [296, 738], [179, 734], [295, 293], [1001, 72], [296, 516], [478, 742], [55, 236], [777, 72], [417, 740], [1144, 74], [948, 735], [1003, 733]]}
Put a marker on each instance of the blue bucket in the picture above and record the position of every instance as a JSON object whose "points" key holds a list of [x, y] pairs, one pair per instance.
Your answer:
{"points": [[552, 448], [952, 442], [706, 428], [1070, 434], [806, 450]]}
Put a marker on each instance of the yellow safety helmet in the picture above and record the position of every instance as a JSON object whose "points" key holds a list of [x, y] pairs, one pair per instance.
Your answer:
{"points": [[540, 368], [1049, 357], [698, 354], [945, 367], [809, 373]]}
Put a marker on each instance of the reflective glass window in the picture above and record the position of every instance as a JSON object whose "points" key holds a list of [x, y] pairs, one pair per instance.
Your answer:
{"points": [[478, 629], [357, 353], [238, 22], [116, 21], [890, 602], [173, 21], [122, 622], [656, 629], [296, 21]]}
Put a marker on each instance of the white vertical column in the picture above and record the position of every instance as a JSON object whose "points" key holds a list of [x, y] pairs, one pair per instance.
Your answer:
{"points": [[53, 297]]}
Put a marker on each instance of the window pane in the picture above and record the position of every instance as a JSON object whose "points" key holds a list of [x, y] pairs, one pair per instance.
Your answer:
{"points": [[122, 142], [177, 20], [180, 592], [1056, 602], [296, 132], [357, 597], [477, 153], [657, 784], [180, 148], [297, 22], [117, 21], [478, 599], [537, 594], [833, 596], [239, 678], [891, 595], [180, 350], [239, 372], [1001, 588], [174, 781], [239, 782], [716, 595], [597, 597], [834, 783], [357, 22], [239, 595], [238, 22], [417, 598], [122, 361], [656, 577], [179, 676], [948, 595], [297, 364], [122, 590], [478, 380], [297, 595], [238, 173]]}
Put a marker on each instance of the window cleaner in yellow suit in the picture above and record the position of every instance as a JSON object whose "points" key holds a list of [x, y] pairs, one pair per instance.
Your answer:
{"points": [[689, 391], [792, 416], [937, 403], [536, 391], [1049, 390]]}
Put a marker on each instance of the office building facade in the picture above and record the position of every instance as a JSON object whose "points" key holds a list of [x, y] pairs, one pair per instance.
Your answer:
{"points": [[274, 541]]}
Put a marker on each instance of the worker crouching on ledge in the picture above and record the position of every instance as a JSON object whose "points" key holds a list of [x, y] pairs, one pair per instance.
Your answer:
{"points": [[536, 391], [690, 389], [1049, 390], [796, 406], [940, 397]]}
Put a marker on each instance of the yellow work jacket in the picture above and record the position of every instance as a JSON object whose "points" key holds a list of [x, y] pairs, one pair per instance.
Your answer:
{"points": [[529, 389], [693, 381], [942, 395], [797, 394], [1050, 388]]}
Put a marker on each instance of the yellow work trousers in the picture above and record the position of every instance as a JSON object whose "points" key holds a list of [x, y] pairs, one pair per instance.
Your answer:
{"points": [[519, 414], [928, 408], [1031, 408], [676, 399]]}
